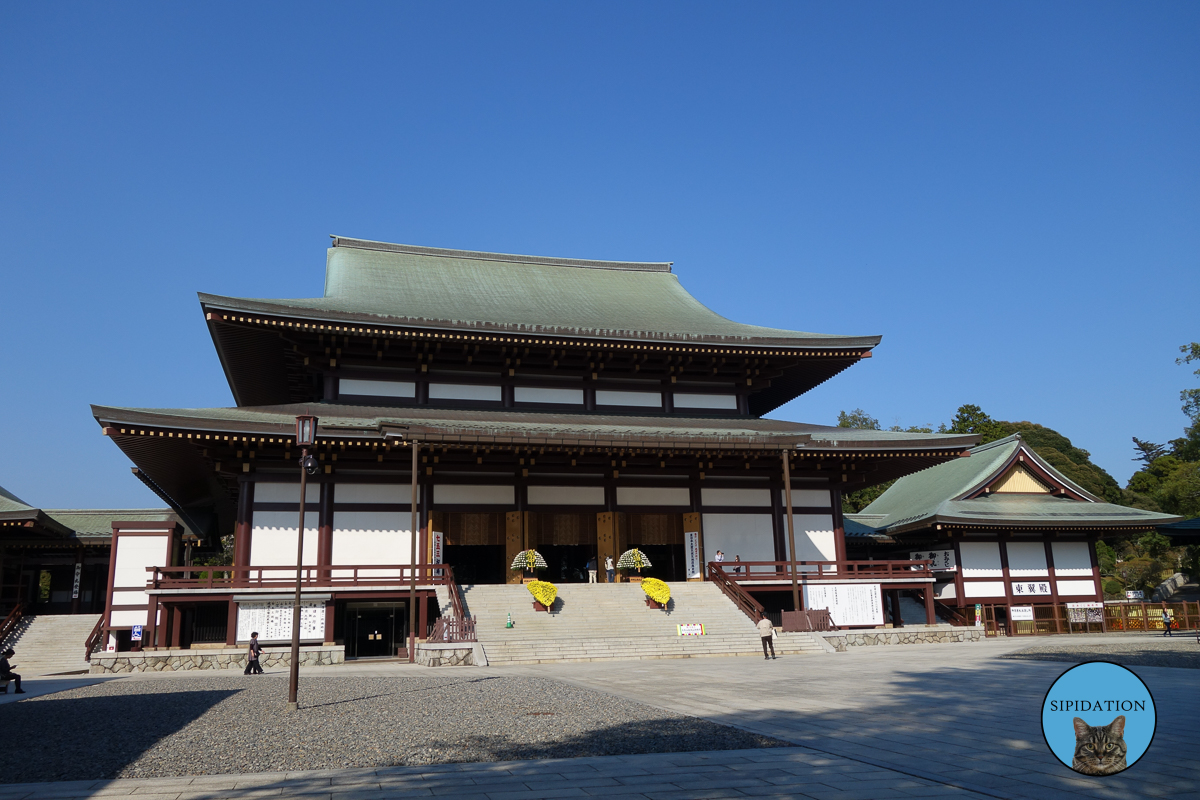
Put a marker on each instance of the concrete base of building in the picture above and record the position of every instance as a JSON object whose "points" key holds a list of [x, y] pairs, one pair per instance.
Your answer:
{"points": [[227, 658], [461, 654]]}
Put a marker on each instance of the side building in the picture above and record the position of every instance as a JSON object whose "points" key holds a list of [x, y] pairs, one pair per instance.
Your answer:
{"points": [[577, 407], [1003, 528]]}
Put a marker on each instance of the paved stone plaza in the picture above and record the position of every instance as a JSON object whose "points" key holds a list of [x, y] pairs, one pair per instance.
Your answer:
{"points": [[885, 722]]}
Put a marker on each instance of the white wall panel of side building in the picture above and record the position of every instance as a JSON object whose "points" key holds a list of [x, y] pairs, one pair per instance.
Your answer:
{"points": [[654, 496], [273, 541], [721, 401], [814, 538], [1076, 588], [749, 498], [371, 537], [565, 495], [463, 391], [983, 589], [1072, 558], [747, 535], [1026, 559], [134, 554], [808, 498], [369, 388], [373, 493], [533, 394], [286, 493], [450, 494], [981, 560]]}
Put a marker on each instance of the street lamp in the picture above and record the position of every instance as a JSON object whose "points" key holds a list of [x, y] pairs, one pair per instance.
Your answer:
{"points": [[306, 437]]}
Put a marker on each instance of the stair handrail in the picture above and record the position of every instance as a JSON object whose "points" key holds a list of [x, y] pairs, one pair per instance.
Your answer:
{"points": [[11, 621], [94, 638], [740, 597], [456, 601]]}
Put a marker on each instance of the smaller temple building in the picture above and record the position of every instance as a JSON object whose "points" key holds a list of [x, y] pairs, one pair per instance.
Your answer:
{"points": [[1005, 530]]}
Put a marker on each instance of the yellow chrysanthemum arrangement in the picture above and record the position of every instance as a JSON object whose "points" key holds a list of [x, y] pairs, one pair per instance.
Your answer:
{"points": [[544, 592], [656, 590]]}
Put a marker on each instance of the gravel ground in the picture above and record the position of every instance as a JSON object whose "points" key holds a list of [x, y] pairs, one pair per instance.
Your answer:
{"points": [[221, 725], [1161, 651]]}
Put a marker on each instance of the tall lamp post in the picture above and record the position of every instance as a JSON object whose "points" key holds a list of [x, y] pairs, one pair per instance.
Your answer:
{"points": [[306, 437]]}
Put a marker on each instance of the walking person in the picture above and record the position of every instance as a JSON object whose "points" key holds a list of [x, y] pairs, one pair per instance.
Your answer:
{"points": [[609, 570], [767, 632], [6, 673], [591, 569], [1166, 623], [252, 654]]}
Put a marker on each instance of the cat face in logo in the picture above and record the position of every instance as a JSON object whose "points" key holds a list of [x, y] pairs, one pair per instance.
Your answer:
{"points": [[1099, 750]]}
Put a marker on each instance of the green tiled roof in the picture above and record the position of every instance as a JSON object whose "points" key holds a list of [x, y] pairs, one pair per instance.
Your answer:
{"points": [[98, 522], [402, 284], [10, 502], [937, 494]]}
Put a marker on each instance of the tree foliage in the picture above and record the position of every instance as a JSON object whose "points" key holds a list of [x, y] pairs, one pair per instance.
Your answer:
{"points": [[857, 419], [1169, 481]]}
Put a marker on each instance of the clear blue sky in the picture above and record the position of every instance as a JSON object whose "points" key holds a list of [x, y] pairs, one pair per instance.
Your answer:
{"points": [[1008, 193]]}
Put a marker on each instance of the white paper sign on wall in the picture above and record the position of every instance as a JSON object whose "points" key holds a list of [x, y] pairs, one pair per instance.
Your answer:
{"points": [[1021, 613], [691, 541], [848, 603], [273, 621]]}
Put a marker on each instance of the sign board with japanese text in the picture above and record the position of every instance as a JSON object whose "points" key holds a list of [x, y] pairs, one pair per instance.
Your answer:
{"points": [[1021, 613], [848, 603], [943, 560], [690, 629], [691, 546], [1030, 588]]}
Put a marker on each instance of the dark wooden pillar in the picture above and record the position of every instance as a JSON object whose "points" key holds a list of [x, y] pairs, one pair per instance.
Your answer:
{"points": [[330, 621], [423, 617], [960, 596], [1002, 543], [176, 625], [244, 527], [930, 614], [1053, 582], [839, 524], [231, 620], [325, 530]]}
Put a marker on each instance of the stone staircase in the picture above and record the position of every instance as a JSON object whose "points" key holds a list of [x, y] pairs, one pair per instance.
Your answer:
{"points": [[593, 622], [50, 644]]}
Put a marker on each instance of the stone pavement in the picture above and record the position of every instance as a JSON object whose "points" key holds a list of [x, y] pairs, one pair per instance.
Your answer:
{"points": [[887, 722]]}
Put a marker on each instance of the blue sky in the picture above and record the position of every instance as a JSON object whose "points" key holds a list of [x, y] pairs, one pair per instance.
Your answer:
{"points": [[1008, 193]]}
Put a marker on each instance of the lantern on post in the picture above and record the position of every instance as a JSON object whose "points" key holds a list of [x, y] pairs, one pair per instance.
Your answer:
{"points": [[306, 437]]}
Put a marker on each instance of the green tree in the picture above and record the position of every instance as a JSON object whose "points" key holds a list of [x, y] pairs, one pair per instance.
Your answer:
{"points": [[1154, 545], [1107, 558], [857, 419], [1148, 451], [972, 419]]}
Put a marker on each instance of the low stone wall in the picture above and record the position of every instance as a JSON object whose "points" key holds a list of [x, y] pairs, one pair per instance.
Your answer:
{"points": [[228, 658], [841, 641], [1169, 587], [461, 654]]}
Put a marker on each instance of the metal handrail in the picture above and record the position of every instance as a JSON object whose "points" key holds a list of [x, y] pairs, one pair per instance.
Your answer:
{"points": [[11, 621], [740, 597], [94, 638]]}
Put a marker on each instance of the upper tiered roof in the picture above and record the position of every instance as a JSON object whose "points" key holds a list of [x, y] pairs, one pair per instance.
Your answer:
{"points": [[377, 283]]}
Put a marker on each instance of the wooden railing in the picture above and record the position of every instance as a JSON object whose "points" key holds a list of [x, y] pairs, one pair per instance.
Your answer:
{"points": [[447, 630], [740, 597], [11, 621], [94, 639], [751, 571], [807, 620], [311, 577]]}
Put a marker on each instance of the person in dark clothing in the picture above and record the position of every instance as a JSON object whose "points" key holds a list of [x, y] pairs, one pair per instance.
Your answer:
{"points": [[255, 649], [6, 673]]}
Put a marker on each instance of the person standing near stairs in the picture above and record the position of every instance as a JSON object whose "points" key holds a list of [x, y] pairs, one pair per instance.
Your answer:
{"points": [[767, 632], [608, 568], [6, 673]]}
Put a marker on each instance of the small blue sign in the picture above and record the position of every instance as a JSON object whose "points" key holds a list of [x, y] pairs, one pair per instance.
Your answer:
{"points": [[136, 635]]}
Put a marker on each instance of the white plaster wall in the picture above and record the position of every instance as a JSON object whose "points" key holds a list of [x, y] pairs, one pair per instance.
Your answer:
{"points": [[653, 496], [286, 493], [721, 401], [449, 494], [1075, 588], [122, 618], [607, 397], [566, 495], [1026, 559], [807, 498], [981, 560], [134, 554], [749, 498], [463, 391], [945, 591], [1071, 558], [373, 493], [983, 589], [377, 388], [273, 541], [531, 394], [814, 537], [371, 537], [747, 535]]}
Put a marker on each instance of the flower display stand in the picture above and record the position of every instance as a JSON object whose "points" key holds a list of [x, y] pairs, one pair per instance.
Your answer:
{"points": [[539, 607]]}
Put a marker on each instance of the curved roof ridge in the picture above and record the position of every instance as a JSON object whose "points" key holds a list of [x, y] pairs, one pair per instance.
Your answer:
{"points": [[479, 255], [10, 502]]}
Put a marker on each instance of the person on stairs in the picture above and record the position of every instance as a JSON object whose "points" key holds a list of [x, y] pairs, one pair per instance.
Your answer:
{"points": [[767, 632], [6, 673]]}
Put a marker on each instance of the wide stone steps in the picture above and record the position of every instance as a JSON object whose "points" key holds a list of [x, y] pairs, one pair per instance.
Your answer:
{"points": [[49, 644], [591, 622]]}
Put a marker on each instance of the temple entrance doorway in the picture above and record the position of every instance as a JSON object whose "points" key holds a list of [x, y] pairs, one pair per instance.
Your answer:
{"points": [[474, 545], [660, 537], [372, 629], [567, 541]]}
